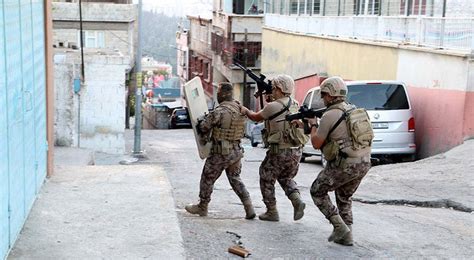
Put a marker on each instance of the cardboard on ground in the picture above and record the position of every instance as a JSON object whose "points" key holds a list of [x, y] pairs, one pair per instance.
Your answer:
{"points": [[197, 107]]}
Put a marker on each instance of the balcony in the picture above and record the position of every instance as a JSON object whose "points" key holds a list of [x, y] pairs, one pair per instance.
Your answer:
{"points": [[436, 32], [229, 42]]}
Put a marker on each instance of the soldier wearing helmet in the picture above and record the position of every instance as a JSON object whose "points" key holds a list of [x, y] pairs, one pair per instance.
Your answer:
{"points": [[281, 162], [346, 166], [226, 123]]}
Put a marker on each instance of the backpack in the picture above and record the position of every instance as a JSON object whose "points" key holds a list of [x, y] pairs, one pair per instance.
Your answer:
{"points": [[359, 127]]}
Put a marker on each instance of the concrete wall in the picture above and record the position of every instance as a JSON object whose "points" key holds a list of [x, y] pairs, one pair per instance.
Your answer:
{"points": [[117, 23], [438, 86], [440, 83], [200, 33], [104, 12], [102, 101], [66, 118], [316, 55]]}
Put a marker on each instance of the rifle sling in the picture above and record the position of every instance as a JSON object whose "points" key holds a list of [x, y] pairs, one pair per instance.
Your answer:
{"points": [[333, 128], [285, 108]]}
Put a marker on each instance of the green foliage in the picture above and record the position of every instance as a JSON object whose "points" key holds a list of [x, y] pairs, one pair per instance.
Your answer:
{"points": [[159, 32]]}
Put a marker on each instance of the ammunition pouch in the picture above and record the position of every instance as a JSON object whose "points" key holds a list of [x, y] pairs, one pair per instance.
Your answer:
{"points": [[296, 136], [223, 147], [342, 161], [330, 151], [279, 148]]}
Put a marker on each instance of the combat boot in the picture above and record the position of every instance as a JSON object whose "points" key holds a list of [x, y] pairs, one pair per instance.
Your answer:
{"points": [[270, 215], [199, 209], [347, 240], [298, 205], [340, 228], [249, 211]]}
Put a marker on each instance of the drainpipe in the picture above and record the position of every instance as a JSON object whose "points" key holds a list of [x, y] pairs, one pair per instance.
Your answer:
{"points": [[48, 28]]}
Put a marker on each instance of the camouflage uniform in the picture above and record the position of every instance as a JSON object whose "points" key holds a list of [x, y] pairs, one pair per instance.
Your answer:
{"points": [[223, 157], [283, 167], [282, 160], [344, 181], [342, 175]]}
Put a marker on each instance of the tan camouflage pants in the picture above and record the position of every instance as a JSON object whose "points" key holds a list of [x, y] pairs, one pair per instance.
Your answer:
{"points": [[344, 182], [213, 168], [281, 167]]}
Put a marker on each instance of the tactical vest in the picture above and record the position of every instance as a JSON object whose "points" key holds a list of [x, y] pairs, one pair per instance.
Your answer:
{"points": [[231, 128], [288, 135]]}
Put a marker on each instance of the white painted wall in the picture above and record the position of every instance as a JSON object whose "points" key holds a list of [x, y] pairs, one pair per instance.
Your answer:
{"points": [[65, 118], [102, 101], [430, 70]]}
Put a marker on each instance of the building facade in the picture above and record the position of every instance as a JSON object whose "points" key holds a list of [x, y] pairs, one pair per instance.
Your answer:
{"points": [[182, 54], [237, 36], [106, 25], [415, 44], [91, 90], [200, 54]]}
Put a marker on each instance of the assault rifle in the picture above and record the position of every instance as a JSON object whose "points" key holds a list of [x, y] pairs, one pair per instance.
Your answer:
{"points": [[263, 88], [303, 113]]}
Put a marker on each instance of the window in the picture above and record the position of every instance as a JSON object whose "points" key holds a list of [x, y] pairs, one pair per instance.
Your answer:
{"points": [[316, 6], [317, 101], [362, 7], [378, 97], [92, 39], [293, 6], [308, 7], [301, 7]]}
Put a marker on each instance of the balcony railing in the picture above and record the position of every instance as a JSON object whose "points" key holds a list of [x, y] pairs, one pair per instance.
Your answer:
{"points": [[445, 33], [229, 50]]}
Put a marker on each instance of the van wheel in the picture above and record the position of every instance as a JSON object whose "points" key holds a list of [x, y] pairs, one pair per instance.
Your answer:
{"points": [[254, 144], [408, 158]]}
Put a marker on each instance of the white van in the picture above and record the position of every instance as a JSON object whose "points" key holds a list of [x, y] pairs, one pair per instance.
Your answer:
{"points": [[389, 108]]}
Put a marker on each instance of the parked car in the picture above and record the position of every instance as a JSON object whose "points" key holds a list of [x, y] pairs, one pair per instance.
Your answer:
{"points": [[390, 111], [313, 101], [179, 118]]}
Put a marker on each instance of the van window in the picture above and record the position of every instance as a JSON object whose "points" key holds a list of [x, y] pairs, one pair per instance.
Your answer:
{"points": [[180, 112], [378, 96], [317, 101], [307, 99]]}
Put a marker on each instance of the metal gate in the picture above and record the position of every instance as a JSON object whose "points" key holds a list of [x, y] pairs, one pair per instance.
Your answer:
{"points": [[23, 143]]}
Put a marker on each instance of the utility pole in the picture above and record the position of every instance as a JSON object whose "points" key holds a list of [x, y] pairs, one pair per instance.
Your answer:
{"points": [[83, 77], [137, 152]]}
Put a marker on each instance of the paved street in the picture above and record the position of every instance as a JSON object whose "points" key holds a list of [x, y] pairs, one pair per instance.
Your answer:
{"points": [[412, 210], [380, 230]]}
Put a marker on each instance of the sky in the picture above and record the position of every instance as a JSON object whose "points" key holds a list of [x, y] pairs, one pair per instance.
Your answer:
{"points": [[178, 7]]}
